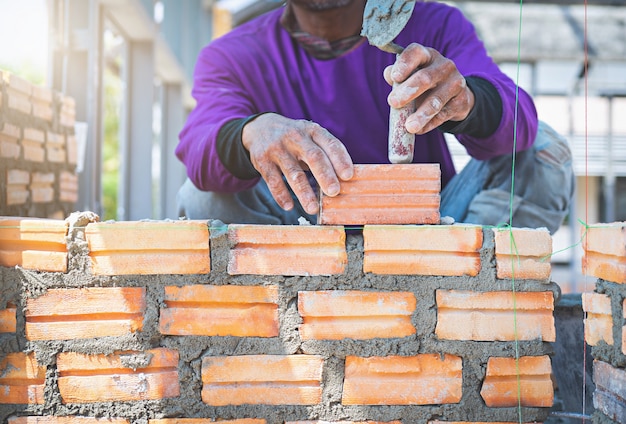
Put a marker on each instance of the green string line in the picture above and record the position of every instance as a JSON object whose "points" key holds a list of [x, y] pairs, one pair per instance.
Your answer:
{"points": [[512, 240]]}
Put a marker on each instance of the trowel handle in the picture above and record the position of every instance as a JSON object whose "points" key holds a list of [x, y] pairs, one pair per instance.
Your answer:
{"points": [[401, 142]]}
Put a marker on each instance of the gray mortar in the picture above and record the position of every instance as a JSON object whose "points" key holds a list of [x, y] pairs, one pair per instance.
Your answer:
{"points": [[612, 354], [22, 283]]}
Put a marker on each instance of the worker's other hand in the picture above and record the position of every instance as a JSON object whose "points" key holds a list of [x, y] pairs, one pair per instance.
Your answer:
{"points": [[434, 82], [280, 146]]}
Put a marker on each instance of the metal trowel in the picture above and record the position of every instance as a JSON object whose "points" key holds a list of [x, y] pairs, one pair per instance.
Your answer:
{"points": [[383, 20]]}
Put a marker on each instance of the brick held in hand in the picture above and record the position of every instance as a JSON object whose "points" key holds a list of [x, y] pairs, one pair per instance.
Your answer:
{"points": [[385, 194]]}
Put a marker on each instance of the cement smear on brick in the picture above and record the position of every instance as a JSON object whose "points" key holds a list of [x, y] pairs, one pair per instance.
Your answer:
{"points": [[18, 284]]}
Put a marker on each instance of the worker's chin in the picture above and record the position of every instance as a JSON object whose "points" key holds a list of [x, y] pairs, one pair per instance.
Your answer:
{"points": [[319, 5]]}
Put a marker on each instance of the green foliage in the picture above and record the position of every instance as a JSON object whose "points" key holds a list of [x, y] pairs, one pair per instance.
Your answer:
{"points": [[110, 152]]}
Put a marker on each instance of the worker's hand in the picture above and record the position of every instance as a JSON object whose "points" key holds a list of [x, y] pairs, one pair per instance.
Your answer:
{"points": [[434, 82], [281, 146]]}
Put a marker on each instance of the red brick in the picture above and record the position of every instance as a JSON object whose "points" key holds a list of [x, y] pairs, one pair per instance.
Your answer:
{"points": [[32, 144], [72, 150], [528, 380], [18, 101], [336, 314], [523, 253], [495, 316], [605, 252], [599, 320], [343, 422], [42, 110], [127, 376], [16, 83], [55, 147], [33, 243], [206, 421], [42, 94], [287, 250], [609, 396], [68, 185], [385, 194], [262, 380], [41, 187], [426, 379], [9, 146], [64, 314], [241, 311], [8, 319], [155, 247], [66, 420], [422, 249], [17, 186], [22, 379]]}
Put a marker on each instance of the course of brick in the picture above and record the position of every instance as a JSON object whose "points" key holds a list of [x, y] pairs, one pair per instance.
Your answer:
{"points": [[38, 151], [605, 324], [166, 322]]}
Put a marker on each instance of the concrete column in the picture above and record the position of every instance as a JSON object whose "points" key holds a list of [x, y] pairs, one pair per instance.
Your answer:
{"points": [[172, 170], [76, 71], [135, 190]]}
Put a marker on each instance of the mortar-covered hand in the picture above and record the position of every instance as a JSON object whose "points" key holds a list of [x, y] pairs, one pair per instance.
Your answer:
{"points": [[280, 146], [434, 82]]}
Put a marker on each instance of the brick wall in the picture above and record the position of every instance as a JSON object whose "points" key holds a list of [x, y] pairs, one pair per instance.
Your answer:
{"points": [[188, 322], [38, 151], [605, 323]]}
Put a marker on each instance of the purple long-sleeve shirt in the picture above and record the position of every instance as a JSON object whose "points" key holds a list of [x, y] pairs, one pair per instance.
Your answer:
{"points": [[259, 67]]}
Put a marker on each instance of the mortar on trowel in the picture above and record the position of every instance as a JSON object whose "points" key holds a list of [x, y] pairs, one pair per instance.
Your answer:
{"points": [[383, 20]]}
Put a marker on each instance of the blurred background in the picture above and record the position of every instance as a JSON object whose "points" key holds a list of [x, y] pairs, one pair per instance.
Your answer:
{"points": [[129, 65]]}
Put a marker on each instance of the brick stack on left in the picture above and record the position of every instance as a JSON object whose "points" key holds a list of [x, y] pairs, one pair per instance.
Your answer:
{"points": [[38, 151]]}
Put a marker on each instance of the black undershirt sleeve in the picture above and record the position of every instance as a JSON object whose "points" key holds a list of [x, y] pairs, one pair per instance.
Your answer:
{"points": [[486, 115], [482, 121], [230, 149]]}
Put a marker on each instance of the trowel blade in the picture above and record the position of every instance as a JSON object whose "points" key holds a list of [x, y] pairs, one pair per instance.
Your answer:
{"points": [[383, 20]]}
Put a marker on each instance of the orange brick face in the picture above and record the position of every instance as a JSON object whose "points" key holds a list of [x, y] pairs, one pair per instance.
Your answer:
{"points": [[385, 194], [422, 250], [495, 316], [62, 314], [287, 250], [22, 379], [530, 378], [335, 315], [523, 253], [425, 379], [127, 376], [605, 252], [205, 421], [220, 311], [262, 379], [8, 319], [124, 248], [33, 244], [599, 320]]}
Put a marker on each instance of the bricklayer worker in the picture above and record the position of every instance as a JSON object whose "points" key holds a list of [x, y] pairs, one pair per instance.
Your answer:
{"points": [[289, 101]]}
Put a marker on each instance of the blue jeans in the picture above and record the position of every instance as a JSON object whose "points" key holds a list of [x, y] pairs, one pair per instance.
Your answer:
{"points": [[543, 186]]}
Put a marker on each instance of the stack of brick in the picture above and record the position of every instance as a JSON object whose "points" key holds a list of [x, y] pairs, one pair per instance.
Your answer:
{"points": [[38, 151], [189, 322], [605, 322]]}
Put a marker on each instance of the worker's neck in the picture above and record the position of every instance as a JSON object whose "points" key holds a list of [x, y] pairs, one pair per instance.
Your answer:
{"points": [[332, 23]]}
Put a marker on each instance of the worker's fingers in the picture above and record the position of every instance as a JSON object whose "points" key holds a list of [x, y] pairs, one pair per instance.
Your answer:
{"points": [[334, 150], [414, 56], [439, 106]]}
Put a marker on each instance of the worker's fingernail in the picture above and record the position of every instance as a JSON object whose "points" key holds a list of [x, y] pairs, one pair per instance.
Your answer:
{"points": [[413, 125], [346, 174], [312, 208], [332, 190], [288, 206]]}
